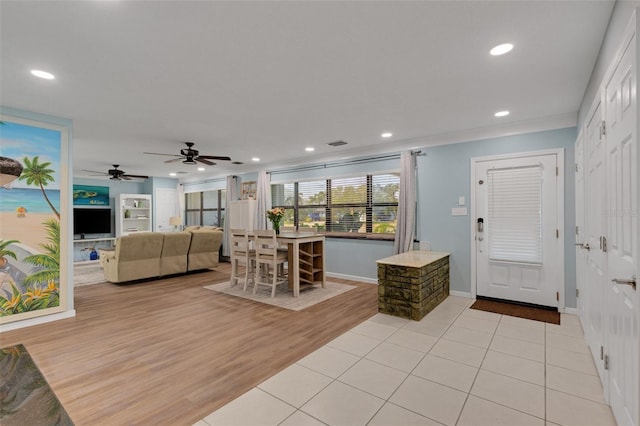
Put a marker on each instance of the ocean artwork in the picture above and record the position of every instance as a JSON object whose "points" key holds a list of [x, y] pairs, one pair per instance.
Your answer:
{"points": [[88, 195], [30, 201]]}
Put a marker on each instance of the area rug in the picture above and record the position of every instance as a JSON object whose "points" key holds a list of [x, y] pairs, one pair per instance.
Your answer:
{"points": [[284, 297], [87, 274], [517, 310], [27, 398]]}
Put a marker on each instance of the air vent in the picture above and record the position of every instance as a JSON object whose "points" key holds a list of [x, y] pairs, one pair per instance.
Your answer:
{"points": [[237, 162], [337, 143], [181, 173]]}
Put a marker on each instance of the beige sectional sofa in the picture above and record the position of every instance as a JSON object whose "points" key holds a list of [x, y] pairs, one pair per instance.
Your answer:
{"points": [[155, 254]]}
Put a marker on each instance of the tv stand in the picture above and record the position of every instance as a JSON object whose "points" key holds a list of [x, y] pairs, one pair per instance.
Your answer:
{"points": [[82, 244]]}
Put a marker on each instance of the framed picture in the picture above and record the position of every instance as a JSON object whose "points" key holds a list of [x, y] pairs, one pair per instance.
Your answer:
{"points": [[34, 210], [249, 190], [88, 195]]}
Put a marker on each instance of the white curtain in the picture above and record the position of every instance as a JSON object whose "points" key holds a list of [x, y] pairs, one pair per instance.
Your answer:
{"points": [[406, 205], [180, 203], [232, 195], [263, 198]]}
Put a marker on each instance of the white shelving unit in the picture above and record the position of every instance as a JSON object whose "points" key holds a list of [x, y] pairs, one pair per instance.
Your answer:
{"points": [[133, 214]]}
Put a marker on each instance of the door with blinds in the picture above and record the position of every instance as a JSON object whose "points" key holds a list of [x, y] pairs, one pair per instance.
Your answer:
{"points": [[517, 232]]}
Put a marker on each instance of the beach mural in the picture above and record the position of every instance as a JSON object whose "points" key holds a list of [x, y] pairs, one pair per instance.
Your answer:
{"points": [[30, 201]]}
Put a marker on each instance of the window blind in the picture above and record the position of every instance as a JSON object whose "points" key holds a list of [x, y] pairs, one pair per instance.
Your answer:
{"points": [[515, 214]]}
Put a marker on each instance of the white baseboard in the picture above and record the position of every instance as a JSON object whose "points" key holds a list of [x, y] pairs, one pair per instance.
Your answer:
{"points": [[36, 321], [572, 311], [461, 294], [352, 277]]}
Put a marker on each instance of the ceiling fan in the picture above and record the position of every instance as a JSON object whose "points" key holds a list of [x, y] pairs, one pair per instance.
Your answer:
{"points": [[192, 156], [117, 174]]}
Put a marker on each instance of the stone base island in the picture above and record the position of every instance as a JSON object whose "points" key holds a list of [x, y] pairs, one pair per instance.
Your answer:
{"points": [[411, 284]]}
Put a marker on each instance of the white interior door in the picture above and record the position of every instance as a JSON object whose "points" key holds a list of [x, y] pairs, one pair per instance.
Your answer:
{"points": [[166, 200], [517, 250], [580, 236], [595, 150], [622, 240]]}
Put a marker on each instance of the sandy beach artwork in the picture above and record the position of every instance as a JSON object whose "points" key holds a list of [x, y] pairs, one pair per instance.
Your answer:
{"points": [[30, 164]]}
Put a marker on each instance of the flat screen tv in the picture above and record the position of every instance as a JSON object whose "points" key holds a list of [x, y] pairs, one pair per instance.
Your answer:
{"points": [[91, 221]]}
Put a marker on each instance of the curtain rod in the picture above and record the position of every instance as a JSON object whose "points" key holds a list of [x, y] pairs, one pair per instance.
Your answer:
{"points": [[341, 163]]}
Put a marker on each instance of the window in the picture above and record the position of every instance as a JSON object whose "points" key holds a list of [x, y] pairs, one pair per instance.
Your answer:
{"points": [[355, 207], [205, 208]]}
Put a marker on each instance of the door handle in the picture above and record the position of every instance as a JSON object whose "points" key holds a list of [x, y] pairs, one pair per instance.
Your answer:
{"points": [[631, 282], [581, 245], [586, 247]]}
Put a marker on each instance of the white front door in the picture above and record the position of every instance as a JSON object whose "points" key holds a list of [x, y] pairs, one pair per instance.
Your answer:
{"points": [[595, 153], [518, 251], [622, 240]]}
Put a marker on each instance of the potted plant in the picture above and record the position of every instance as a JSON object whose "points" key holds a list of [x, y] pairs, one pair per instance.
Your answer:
{"points": [[4, 252]]}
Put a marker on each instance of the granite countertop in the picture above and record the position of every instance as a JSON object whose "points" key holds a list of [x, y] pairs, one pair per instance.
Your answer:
{"points": [[414, 259]]}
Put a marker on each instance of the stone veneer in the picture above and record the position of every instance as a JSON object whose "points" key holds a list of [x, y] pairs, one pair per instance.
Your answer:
{"points": [[412, 292]]}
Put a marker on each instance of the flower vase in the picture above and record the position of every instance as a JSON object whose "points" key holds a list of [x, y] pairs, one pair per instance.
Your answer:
{"points": [[276, 227]]}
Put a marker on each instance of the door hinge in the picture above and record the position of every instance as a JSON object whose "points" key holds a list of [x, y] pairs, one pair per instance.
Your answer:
{"points": [[603, 243], [558, 296], [603, 129], [557, 171], [577, 293], [557, 233], [601, 352], [576, 167], [577, 230], [606, 362]]}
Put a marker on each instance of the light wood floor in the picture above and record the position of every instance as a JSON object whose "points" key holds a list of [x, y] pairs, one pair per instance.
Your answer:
{"points": [[171, 352]]}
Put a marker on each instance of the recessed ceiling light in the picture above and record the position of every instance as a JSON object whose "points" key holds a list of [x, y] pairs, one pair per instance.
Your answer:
{"points": [[309, 149], [255, 159], [173, 174], [43, 74], [386, 135], [501, 49], [201, 169], [501, 113]]}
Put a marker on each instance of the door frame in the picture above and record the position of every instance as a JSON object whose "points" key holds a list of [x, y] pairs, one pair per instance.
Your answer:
{"points": [[560, 212]]}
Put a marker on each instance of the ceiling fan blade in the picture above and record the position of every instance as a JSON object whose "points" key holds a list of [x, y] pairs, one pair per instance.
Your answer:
{"points": [[174, 160], [93, 171], [135, 176], [125, 177], [158, 153], [207, 162], [214, 157]]}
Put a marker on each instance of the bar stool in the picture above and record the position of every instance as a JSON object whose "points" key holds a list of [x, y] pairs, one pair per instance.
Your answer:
{"points": [[269, 261], [241, 254]]}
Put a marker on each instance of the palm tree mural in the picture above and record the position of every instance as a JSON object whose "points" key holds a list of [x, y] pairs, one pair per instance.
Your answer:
{"points": [[5, 252], [49, 261], [39, 174]]}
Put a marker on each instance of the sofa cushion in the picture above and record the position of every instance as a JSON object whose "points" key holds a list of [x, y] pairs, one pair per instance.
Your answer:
{"points": [[175, 249], [204, 249]]}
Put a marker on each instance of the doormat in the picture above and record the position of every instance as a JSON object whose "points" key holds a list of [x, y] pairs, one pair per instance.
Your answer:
{"points": [[28, 398], [517, 310]]}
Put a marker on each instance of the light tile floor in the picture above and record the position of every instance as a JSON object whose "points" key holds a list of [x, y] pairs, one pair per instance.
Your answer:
{"points": [[458, 366]]}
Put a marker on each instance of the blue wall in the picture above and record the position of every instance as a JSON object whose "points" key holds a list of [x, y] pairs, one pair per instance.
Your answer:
{"points": [[444, 175]]}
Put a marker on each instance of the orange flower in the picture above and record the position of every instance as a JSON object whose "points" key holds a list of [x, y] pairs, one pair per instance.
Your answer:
{"points": [[51, 287], [36, 293], [10, 304]]}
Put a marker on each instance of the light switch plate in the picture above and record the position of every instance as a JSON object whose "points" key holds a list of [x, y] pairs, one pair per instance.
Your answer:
{"points": [[461, 200], [459, 211]]}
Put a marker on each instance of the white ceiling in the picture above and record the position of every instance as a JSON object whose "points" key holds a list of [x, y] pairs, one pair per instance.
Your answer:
{"points": [[267, 79]]}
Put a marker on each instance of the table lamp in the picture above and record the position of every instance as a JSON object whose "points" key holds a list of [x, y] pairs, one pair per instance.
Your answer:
{"points": [[176, 222]]}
